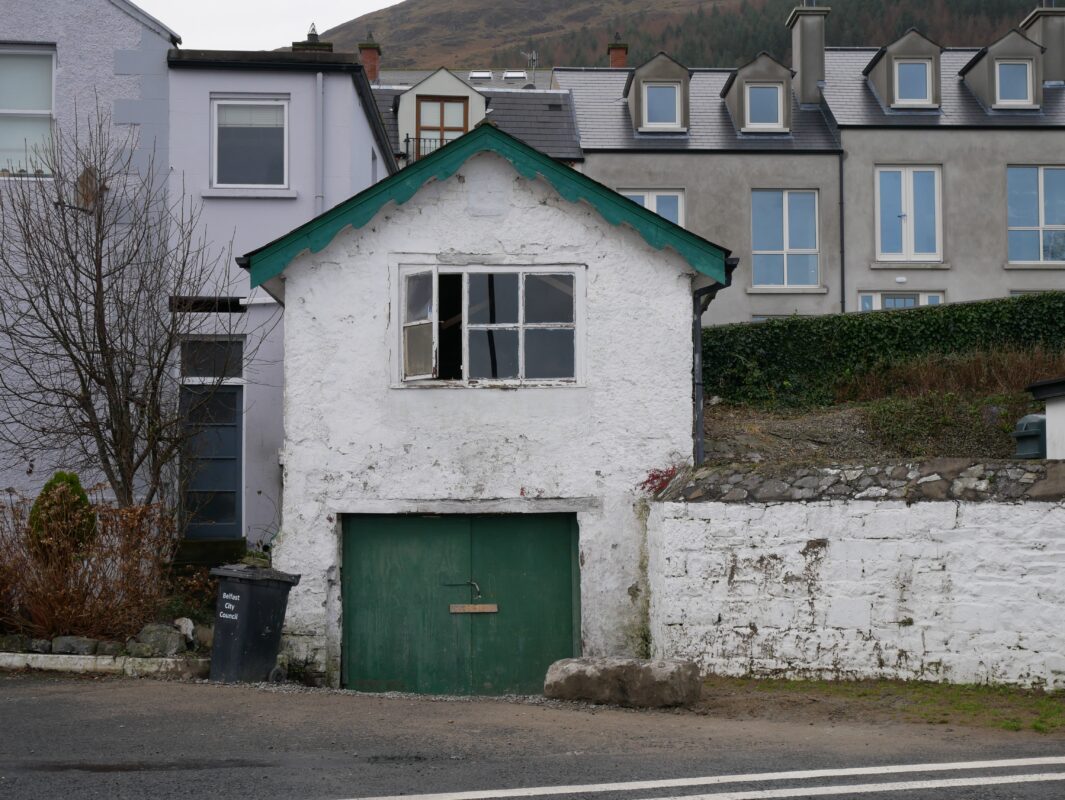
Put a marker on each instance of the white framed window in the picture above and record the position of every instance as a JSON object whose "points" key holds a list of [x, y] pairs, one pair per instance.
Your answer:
{"points": [[250, 143], [784, 240], [913, 81], [490, 325], [885, 301], [765, 106], [1036, 214], [661, 105], [666, 203], [909, 219], [1013, 83], [27, 98]]}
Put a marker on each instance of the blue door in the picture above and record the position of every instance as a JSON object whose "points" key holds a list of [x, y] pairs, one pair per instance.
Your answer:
{"points": [[211, 467]]}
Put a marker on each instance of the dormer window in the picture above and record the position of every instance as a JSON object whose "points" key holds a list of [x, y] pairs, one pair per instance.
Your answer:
{"points": [[661, 105], [1013, 83], [913, 82], [765, 106]]}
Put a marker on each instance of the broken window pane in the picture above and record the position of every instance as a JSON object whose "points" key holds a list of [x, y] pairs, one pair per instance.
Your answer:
{"points": [[419, 297], [493, 298], [418, 350], [548, 298], [549, 353], [451, 329], [493, 354]]}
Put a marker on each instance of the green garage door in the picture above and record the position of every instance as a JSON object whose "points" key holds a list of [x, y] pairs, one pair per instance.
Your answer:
{"points": [[458, 604]]}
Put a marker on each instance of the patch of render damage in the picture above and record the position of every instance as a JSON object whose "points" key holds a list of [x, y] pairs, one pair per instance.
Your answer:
{"points": [[955, 591], [355, 444]]}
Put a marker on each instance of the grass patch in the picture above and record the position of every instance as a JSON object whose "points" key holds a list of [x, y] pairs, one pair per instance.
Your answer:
{"points": [[968, 705]]}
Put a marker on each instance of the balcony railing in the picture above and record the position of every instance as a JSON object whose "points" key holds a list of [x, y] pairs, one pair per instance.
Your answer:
{"points": [[420, 148]]}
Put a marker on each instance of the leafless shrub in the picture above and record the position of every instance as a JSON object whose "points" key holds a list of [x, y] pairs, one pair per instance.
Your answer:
{"points": [[106, 588]]}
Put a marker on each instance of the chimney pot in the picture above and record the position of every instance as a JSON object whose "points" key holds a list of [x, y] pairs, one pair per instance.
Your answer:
{"points": [[618, 51], [312, 43], [370, 56]]}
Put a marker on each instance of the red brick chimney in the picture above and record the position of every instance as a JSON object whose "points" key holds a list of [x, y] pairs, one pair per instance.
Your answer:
{"points": [[618, 52], [370, 56]]}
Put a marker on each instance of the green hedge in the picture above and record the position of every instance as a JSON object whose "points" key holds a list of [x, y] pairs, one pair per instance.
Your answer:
{"points": [[800, 360]]}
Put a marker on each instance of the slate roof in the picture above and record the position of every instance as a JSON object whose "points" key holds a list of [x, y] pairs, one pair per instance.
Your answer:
{"points": [[604, 124], [539, 78], [541, 119], [853, 103]]}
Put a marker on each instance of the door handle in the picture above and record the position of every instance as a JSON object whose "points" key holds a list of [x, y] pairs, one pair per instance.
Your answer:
{"points": [[476, 588]]}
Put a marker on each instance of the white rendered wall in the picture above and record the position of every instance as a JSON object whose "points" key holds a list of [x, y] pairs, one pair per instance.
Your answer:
{"points": [[963, 592], [356, 444], [1056, 428]]}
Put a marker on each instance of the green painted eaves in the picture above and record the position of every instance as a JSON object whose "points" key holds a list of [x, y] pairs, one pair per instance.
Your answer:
{"points": [[271, 260]]}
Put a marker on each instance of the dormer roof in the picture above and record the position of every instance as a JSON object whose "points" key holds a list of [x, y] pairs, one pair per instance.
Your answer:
{"points": [[983, 51], [765, 54], [657, 57], [883, 50]]}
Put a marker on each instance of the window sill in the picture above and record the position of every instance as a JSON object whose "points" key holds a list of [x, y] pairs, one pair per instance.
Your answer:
{"points": [[787, 290], [267, 194], [897, 265], [1052, 265], [778, 131], [914, 107], [1015, 107], [498, 385], [662, 129]]}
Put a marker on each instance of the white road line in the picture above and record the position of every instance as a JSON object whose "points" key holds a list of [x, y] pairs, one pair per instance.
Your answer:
{"points": [[716, 780], [874, 788]]}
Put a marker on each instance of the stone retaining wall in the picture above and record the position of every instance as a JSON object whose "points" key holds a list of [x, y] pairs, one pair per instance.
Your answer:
{"points": [[958, 591], [934, 480]]}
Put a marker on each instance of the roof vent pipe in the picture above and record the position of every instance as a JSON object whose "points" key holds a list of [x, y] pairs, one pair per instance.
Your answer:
{"points": [[807, 23]]}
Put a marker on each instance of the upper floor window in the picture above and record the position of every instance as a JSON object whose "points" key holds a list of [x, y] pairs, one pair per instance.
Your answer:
{"points": [[1036, 214], [439, 121], [765, 106], [251, 143], [489, 325], [908, 219], [784, 238], [25, 109], [913, 82], [885, 301], [661, 105], [668, 204], [1013, 83]]}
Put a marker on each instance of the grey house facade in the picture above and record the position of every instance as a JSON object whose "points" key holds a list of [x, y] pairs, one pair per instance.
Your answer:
{"points": [[58, 60], [856, 179]]}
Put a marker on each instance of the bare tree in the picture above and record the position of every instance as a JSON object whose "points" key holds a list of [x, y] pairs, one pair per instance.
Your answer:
{"points": [[99, 269]]}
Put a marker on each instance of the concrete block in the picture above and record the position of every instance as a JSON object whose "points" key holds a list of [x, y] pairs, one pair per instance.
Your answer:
{"points": [[624, 681]]}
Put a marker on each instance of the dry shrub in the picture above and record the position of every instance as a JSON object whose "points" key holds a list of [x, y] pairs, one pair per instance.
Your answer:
{"points": [[108, 587], [977, 374]]}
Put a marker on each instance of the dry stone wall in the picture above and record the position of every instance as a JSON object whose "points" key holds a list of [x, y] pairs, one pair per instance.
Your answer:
{"points": [[957, 590]]}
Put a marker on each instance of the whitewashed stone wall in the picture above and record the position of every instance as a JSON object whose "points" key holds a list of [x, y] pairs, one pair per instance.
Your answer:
{"points": [[955, 591], [357, 443]]}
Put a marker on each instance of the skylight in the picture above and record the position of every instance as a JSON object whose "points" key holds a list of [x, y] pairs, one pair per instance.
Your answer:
{"points": [[480, 74]]}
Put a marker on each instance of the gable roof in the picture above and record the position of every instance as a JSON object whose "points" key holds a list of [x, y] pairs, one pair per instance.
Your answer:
{"points": [[146, 19], [736, 72], [270, 260], [660, 55], [883, 50], [983, 51]]}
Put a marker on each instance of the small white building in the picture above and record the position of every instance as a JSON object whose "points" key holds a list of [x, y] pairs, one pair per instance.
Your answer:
{"points": [[486, 356]]}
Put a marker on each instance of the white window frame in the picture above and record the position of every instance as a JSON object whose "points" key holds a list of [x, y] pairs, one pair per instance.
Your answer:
{"points": [[763, 126], [247, 101], [923, 299], [927, 101], [1042, 213], [1029, 101], [48, 114], [788, 251], [577, 271], [678, 124], [908, 254], [650, 199]]}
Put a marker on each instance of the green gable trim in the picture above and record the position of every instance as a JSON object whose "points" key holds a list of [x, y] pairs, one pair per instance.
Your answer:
{"points": [[271, 260]]}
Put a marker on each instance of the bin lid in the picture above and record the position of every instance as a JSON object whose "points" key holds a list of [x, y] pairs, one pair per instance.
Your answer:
{"points": [[247, 572], [1031, 423]]}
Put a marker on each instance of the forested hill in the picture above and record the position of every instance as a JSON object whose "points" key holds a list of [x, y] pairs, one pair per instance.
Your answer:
{"points": [[483, 33]]}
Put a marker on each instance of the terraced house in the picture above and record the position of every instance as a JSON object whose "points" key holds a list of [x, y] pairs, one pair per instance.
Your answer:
{"points": [[855, 179]]}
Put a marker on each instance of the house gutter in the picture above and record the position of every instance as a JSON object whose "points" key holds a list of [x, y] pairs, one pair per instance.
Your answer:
{"points": [[701, 299], [319, 150]]}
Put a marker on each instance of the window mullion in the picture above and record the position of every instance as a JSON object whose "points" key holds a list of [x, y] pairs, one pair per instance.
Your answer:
{"points": [[786, 232], [521, 326], [465, 326], [1040, 203], [908, 226]]}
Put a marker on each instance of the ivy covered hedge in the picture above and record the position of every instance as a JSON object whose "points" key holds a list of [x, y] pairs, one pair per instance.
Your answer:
{"points": [[800, 361]]}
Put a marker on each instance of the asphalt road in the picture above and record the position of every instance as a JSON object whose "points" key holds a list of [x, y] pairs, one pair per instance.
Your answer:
{"points": [[85, 738]]}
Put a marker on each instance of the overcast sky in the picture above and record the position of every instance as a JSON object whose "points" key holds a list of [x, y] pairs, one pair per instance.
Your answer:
{"points": [[252, 24]]}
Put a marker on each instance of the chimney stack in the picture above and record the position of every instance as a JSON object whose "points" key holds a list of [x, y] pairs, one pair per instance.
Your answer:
{"points": [[312, 43], [807, 23], [618, 52], [370, 56], [1046, 25]]}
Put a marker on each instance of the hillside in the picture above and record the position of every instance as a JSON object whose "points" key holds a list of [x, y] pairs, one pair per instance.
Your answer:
{"points": [[482, 33]]}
